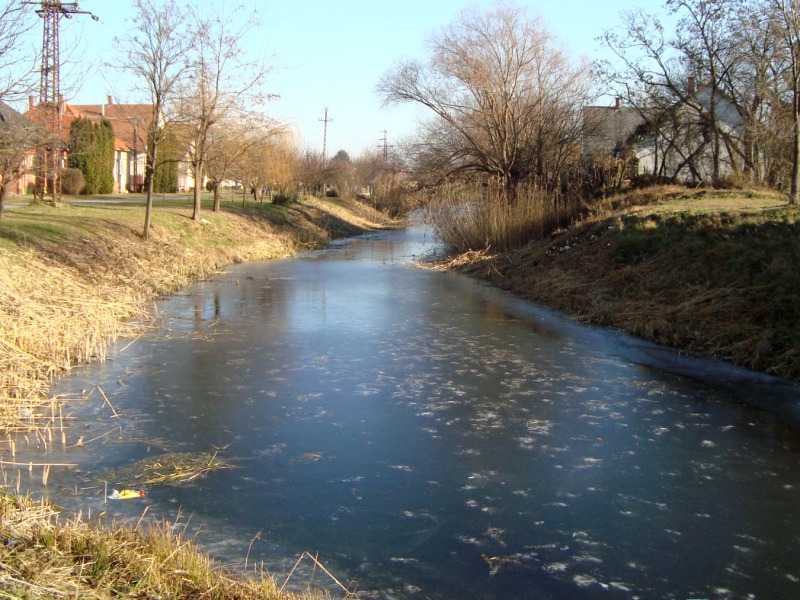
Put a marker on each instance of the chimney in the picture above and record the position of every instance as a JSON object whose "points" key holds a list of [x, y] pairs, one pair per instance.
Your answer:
{"points": [[31, 102], [617, 103], [110, 100], [692, 88]]}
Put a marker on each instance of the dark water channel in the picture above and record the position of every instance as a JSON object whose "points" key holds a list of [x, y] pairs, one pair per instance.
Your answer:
{"points": [[428, 437]]}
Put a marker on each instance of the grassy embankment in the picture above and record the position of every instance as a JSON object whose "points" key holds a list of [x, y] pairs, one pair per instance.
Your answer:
{"points": [[71, 280], [714, 273]]}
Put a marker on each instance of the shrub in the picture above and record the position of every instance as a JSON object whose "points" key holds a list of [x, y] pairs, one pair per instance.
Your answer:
{"points": [[284, 198], [331, 193], [72, 181], [91, 149]]}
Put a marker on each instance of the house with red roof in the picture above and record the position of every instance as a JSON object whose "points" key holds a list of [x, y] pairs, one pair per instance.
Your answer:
{"points": [[131, 123]]}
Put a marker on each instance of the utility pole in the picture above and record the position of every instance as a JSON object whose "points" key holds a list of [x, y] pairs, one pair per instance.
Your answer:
{"points": [[326, 120], [384, 143], [50, 100]]}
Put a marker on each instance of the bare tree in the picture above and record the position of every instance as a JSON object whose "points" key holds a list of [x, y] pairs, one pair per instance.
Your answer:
{"points": [[506, 100], [19, 140], [705, 38], [18, 60], [223, 84], [311, 171], [230, 147], [267, 165], [785, 18], [156, 48], [658, 75], [18, 63]]}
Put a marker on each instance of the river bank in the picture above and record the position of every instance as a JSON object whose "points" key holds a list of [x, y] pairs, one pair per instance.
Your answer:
{"points": [[711, 273]]}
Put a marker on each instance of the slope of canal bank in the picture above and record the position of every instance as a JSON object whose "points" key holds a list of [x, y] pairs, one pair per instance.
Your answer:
{"points": [[712, 273]]}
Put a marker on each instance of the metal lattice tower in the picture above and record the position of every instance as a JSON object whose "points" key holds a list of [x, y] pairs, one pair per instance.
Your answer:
{"points": [[51, 11], [326, 120]]}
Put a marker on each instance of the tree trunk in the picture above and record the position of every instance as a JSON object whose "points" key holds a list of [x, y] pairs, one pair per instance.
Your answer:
{"points": [[148, 211], [3, 193], [198, 183], [149, 172], [216, 197], [794, 194]]}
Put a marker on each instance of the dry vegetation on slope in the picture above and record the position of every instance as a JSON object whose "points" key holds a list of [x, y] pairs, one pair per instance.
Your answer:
{"points": [[711, 272]]}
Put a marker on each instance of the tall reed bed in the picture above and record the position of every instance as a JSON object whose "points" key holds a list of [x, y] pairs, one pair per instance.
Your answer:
{"points": [[479, 217], [50, 320]]}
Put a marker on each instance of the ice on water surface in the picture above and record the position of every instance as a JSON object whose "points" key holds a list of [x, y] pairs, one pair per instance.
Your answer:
{"points": [[465, 441]]}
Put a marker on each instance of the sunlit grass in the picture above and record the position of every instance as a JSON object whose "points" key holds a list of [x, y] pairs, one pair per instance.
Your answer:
{"points": [[45, 556]]}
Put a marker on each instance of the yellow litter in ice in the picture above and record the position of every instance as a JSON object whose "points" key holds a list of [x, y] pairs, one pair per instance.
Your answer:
{"points": [[126, 494]]}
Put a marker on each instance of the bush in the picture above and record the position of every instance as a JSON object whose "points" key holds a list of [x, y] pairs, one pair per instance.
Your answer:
{"points": [[282, 199], [72, 181], [331, 193], [479, 218]]}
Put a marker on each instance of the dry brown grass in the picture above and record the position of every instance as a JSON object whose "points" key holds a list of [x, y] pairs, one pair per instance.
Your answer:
{"points": [[45, 557], [478, 218]]}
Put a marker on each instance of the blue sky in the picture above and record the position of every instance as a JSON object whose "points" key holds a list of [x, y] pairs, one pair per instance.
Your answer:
{"points": [[333, 54]]}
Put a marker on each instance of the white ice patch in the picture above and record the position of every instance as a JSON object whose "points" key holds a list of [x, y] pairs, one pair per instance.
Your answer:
{"points": [[539, 427], [402, 560], [589, 462], [557, 567], [585, 581], [588, 558]]}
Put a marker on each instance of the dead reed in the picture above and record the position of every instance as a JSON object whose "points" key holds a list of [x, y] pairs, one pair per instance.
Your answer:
{"points": [[44, 556], [478, 218], [170, 469]]}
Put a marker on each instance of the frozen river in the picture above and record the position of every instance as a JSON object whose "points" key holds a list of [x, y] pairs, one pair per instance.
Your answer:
{"points": [[429, 437]]}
